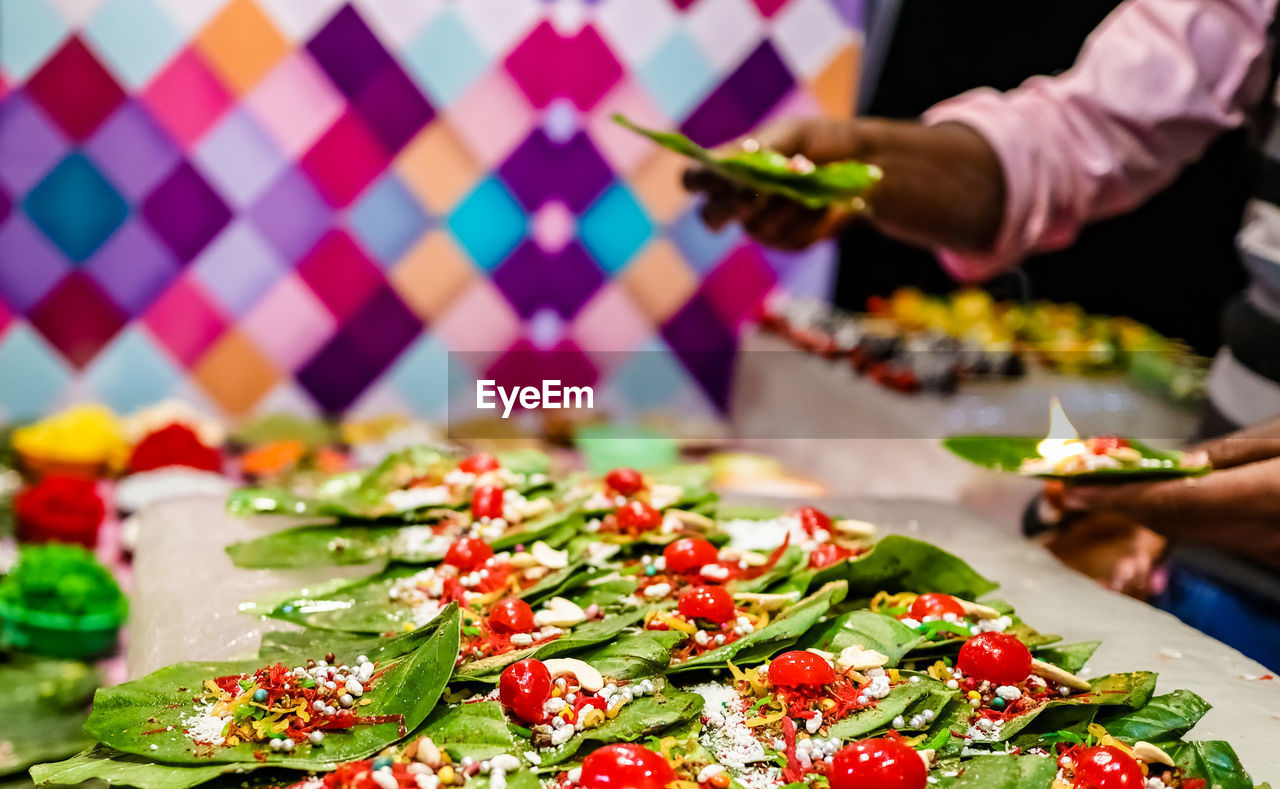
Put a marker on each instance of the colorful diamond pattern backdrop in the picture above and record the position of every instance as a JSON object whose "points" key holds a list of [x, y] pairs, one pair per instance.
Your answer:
{"points": [[307, 204]]}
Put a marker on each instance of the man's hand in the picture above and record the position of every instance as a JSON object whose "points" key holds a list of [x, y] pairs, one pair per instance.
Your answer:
{"points": [[943, 185]]}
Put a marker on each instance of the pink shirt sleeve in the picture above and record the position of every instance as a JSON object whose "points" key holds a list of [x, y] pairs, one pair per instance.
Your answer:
{"points": [[1154, 84]]}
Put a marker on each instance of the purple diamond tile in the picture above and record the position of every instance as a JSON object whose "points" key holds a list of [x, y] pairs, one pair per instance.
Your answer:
{"points": [[30, 266], [349, 52], [239, 158], [133, 267], [542, 169], [132, 150], [6, 204], [185, 212], [704, 345], [238, 267], [30, 143], [741, 100], [393, 107], [532, 279], [292, 215], [358, 354]]}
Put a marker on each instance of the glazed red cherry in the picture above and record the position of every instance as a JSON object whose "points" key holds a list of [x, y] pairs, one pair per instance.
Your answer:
{"points": [[625, 766], [995, 657], [812, 520], [937, 605], [478, 463], [878, 764], [626, 481], [826, 555], [524, 687], [1104, 444], [636, 516], [486, 502], [1106, 767], [707, 602], [689, 554], [511, 615], [799, 668], [468, 553]]}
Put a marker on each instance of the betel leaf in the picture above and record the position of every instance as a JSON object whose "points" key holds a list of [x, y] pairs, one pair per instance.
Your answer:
{"points": [[997, 771], [905, 700], [1131, 690], [1213, 760], [771, 172], [148, 716], [774, 637], [125, 769], [1007, 453], [900, 564], [477, 730], [791, 561], [633, 655], [45, 703], [642, 716], [1165, 717], [865, 629], [1068, 657], [365, 606], [586, 635]]}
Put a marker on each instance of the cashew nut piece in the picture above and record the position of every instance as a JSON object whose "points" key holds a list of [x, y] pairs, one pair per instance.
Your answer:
{"points": [[587, 676], [857, 658], [548, 556], [1057, 675], [559, 612]]}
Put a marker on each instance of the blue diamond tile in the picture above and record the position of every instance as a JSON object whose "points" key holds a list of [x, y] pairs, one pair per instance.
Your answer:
{"points": [[614, 228], [488, 223], [701, 247], [677, 75], [388, 219], [29, 31], [76, 207], [445, 58], [131, 372], [135, 37], [43, 373], [420, 376]]}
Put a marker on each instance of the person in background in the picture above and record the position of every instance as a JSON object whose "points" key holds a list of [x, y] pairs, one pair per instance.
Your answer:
{"points": [[987, 178]]}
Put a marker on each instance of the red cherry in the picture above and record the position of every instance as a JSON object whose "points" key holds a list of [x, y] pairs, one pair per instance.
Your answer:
{"points": [[812, 520], [486, 502], [479, 463], [511, 615], [625, 766], [878, 764], [626, 481], [826, 555], [1107, 767], [636, 516], [707, 602], [689, 554], [468, 553], [995, 657], [1104, 444], [524, 687], [800, 668], [935, 605]]}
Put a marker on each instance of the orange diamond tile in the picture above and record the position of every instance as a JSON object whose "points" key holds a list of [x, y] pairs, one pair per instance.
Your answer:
{"points": [[432, 275], [657, 181], [659, 280], [235, 374], [438, 168], [242, 45], [836, 85]]}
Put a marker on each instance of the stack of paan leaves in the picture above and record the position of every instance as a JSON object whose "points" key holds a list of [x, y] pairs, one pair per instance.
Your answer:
{"points": [[646, 640]]}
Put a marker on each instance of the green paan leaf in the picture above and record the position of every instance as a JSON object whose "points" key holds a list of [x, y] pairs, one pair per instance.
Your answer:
{"points": [[147, 716], [1165, 717], [792, 561], [779, 634], [1131, 690], [477, 730], [667, 706], [901, 564], [866, 629], [1213, 760], [998, 772], [590, 634], [771, 172], [1007, 453], [45, 703], [905, 700], [125, 769], [633, 655]]}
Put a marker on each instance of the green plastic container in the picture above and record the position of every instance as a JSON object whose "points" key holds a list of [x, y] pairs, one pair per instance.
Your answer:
{"points": [[58, 635]]}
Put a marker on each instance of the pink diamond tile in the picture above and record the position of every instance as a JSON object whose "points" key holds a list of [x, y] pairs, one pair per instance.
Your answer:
{"points": [[186, 97], [609, 323], [492, 117], [553, 226], [345, 160], [289, 324], [296, 103], [548, 65], [624, 150], [340, 274], [480, 321], [186, 321], [739, 284]]}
